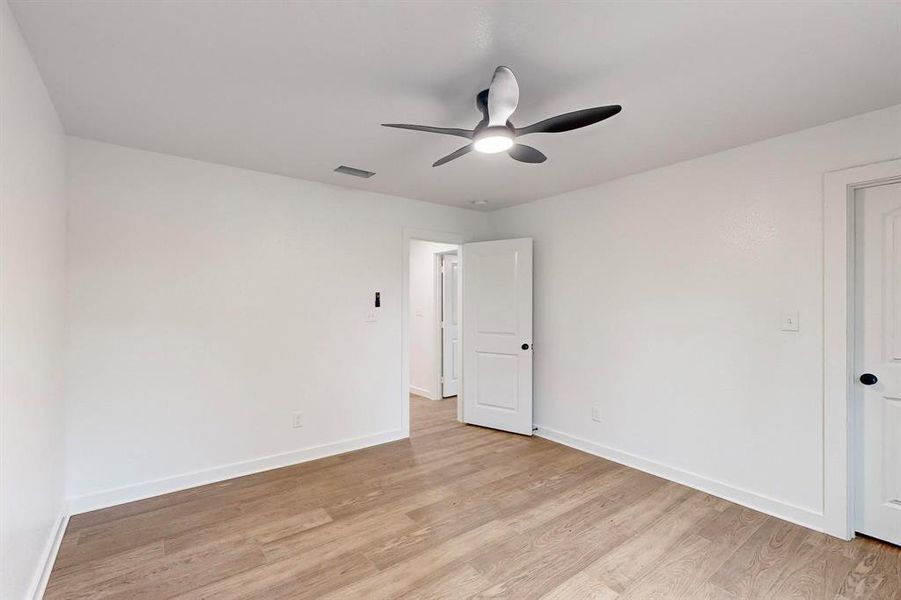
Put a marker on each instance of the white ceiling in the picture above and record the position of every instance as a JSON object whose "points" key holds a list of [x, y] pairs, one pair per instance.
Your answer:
{"points": [[298, 88]]}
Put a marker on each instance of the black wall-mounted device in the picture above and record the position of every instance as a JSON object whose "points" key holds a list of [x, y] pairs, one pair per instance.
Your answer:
{"points": [[378, 299]]}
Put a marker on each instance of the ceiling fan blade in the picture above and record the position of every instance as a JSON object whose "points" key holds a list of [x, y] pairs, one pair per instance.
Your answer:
{"points": [[455, 154], [571, 120], [503, 96], [526, 154], [466, 133]]}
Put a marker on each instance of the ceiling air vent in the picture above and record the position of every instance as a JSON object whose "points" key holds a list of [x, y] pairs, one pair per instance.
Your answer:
{"points": [[355, 172]]}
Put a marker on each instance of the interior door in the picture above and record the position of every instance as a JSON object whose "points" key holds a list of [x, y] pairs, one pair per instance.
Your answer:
{"points": [[878, 362], [497, 334], [450, 325]]}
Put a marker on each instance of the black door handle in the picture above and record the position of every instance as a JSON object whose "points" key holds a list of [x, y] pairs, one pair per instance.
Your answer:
{"points": [[525, 346], [868, 379]]}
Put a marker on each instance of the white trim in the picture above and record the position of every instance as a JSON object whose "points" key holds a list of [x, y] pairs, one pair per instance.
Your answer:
{"points": [[461, 268], [771, 506], [438, 334], [839, 188], [427, 236], [48, 558], [158, 487], [422, 392]]}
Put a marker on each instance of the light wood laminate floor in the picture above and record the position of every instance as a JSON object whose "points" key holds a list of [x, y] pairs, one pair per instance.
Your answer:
{"points": [[458, 512]]}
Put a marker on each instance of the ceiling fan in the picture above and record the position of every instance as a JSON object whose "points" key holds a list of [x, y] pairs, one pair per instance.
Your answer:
{"points": [[495, 133]]}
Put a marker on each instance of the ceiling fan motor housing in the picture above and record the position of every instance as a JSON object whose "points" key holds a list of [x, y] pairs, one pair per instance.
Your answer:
{"points": [[493, 139]]}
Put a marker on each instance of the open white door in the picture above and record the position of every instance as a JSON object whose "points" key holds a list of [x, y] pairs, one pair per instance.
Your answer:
{"points": [[450, 325], [497, 334], [878, 362]]}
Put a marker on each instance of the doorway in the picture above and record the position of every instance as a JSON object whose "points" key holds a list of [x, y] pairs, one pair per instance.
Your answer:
{"points": [[434, 317], [427, 312], [493, 354]]}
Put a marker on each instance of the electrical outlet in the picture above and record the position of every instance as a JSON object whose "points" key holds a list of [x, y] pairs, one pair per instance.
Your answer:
{"points": [[790, 320], [596, 413], [297, 420]]}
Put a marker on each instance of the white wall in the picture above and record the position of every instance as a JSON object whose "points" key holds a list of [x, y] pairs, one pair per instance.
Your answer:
{"points": [[425, 366], [659, 296], [208, 303], [32, 293]]}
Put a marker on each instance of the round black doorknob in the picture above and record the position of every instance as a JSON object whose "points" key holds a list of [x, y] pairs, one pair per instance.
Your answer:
{"points": [[525, 346], [868, 379]]}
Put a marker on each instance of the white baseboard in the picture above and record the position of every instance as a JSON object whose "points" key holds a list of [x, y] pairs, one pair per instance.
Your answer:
{"points": [[421, 392], [771, 506], [148, 489], [48, 557]]}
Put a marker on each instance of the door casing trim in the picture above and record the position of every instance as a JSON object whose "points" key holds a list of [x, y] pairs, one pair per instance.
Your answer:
{"points": [[839, 189]]}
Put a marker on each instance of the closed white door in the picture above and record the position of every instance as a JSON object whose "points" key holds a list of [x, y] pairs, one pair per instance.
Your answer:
{"points": [[497, 334], [878, 362], [450, 325]]}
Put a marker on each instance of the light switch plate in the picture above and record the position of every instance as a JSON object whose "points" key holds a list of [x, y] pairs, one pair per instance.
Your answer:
{"points": [[790, 320], [371, 316]]}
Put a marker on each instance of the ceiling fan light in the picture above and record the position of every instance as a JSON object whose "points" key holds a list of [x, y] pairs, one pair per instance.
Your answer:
{"points": [[494, 142]]}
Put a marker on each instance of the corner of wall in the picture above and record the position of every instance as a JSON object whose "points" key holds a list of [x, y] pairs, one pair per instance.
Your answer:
{"points": [[35, 161]]}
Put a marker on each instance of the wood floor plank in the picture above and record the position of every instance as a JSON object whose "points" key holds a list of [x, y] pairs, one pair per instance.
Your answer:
{"points": [[263, 527], [85, 576], [646, 547], [681, 571], [536, 562], [458, 584], [581, 587], [876, 574], [418, 570], [668, 559], [755, 567], [807, 574], [458, 512]]}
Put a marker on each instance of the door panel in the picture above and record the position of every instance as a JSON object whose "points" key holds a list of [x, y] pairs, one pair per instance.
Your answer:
{"points": [[497, 376], [891, 431], [495, 276], [893, 335], [878, 351], [450, 325], [497, 321]]}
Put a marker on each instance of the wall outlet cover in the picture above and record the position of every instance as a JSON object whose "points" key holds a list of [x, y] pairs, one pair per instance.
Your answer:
{"points": [[790, 320]]}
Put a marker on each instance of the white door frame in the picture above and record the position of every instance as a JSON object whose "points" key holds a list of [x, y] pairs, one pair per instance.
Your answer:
{"points": [[426, 236], [839, 188]]}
